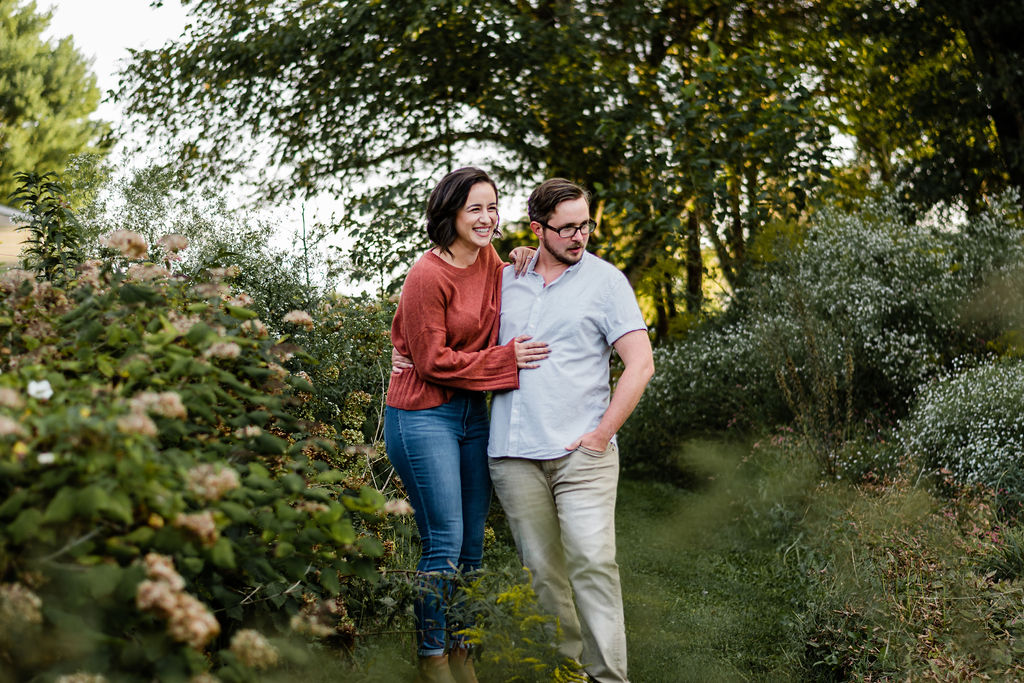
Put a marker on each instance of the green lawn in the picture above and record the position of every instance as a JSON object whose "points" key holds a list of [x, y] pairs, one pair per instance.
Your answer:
{"points": [[706, 596]]}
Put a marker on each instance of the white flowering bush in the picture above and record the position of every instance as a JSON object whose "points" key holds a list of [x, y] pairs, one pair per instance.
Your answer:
{"points": [[844, 321], [342, 344], [970, 425], [160, 484]]}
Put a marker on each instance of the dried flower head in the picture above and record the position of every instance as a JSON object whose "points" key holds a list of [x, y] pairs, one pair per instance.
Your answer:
{"points": [[398, 507], [182, 323], [19, 606], [311, 622], [161, 568], [188, 619], [9, 427], [144, 272], [277, 372], [241, 299], [248, 432], [156, 596], [204, 678], [173, 242], [137, 423], [253, 649], [131, 244], [81, 677], [300, 318], [223, 350], [212, 290], [201, 524], [255, 328], [11, 279], [191, 622], [210, 483], [218, 274], [165, 403]]}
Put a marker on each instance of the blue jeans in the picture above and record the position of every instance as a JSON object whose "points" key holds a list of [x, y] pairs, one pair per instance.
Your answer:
{"points": [[441, 456]]}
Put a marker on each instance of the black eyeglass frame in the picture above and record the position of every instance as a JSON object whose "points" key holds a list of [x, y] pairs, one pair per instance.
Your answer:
{"points": [[584, 228]]}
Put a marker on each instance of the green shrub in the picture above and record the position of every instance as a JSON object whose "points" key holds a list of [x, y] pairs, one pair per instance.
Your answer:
{"points": [[346, 346], [162, 490], [898, 590], [970, 425], [840, 326]]}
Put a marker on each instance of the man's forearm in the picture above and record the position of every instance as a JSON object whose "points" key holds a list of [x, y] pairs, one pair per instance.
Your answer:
{"points": [[627, 394]]}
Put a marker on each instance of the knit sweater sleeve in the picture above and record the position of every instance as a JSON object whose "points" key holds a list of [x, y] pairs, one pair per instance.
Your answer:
{"points": [[423, 323]]}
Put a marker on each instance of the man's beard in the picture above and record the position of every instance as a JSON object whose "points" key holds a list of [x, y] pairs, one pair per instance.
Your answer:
{"points": [[561, 257]]}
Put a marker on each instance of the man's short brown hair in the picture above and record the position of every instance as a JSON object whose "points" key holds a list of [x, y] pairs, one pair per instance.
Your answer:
{"points": [[545, 199]]}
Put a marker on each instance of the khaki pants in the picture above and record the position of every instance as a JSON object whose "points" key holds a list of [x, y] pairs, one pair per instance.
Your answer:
{"points": [[562, 514]]}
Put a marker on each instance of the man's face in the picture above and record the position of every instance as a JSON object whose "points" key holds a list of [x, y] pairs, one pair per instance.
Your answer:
{"points": [[570, 213]]}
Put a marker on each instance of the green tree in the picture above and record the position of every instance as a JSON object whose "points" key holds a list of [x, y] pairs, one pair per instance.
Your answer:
{"points": [[47, 94], [353, 93], [932, 92]]}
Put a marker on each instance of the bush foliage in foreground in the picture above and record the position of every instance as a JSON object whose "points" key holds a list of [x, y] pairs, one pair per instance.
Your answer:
{"points": [[160, 490]]}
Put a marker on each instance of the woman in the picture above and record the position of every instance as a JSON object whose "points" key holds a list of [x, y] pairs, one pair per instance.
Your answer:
{"points": [[436, 424]]}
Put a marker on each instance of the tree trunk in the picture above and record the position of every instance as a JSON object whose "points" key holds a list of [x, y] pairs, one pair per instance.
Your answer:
{"points": [[694, 265]]}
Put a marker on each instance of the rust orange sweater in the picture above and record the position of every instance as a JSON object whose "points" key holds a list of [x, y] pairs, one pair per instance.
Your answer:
{"points": [[447, 322]]}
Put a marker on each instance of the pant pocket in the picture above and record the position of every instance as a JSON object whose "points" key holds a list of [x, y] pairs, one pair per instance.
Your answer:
{"points": [[591, 451]]}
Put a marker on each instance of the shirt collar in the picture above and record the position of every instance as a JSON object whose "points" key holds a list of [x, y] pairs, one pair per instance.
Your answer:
{"points": [[532, 266]]}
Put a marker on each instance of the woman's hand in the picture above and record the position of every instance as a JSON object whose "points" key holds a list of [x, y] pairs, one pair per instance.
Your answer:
{"points": [[528, 353], [399, 362], [520, 258]]}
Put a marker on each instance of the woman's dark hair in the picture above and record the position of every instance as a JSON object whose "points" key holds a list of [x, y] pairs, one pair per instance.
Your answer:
{"points": [[447, 200], [549, 194]]}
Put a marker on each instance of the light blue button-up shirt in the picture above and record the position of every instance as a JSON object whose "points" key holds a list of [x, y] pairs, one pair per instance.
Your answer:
{"points": [[580, 315]]}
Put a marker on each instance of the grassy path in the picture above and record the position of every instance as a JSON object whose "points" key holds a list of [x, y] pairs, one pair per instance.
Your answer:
{"points": [[706, 595]]}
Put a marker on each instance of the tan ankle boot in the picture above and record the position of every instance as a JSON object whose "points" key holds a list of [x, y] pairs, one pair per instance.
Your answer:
{"points": [[434, 670], [461, 665]]}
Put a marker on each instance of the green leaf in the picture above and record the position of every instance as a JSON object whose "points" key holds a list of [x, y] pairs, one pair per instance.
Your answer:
{"points": [[284, 549], [198, 334], [222, 554], [342, 532], [119, 506], [141, 536], [240, 313], [269, 444], [239, 514], [104, 365], [62, 506], [90, 500], [14, 502], [25, 526], [103, 579], [137, 294], [370, 546], [329, 580], [293, 483]]}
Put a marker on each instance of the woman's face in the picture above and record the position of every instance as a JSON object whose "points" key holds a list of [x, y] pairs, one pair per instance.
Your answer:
{"points": [[477, 220]]}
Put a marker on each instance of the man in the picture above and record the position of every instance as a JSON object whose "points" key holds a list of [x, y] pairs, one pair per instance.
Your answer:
{"points": [[552, 451], [553, 456]]}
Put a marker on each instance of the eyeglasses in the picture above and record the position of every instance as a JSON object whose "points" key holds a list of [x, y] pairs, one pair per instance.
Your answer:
{"points": [[567, 231]]}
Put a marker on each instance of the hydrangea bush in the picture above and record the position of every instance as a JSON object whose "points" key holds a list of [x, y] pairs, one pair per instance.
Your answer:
{"points": [[161, 485]]}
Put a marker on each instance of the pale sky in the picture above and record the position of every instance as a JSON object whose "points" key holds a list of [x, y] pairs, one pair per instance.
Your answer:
{"points": [[104, 30]]}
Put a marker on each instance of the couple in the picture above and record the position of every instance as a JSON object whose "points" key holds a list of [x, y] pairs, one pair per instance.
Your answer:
{"points": [[467, 323]]}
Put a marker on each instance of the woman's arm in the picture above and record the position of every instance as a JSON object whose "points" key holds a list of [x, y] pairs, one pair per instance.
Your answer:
{"points": [[424, 313]]}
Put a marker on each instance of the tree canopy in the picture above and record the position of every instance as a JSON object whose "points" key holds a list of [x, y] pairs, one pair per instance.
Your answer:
{"points": [[47, 94], [932, 92], [696, 122]]}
